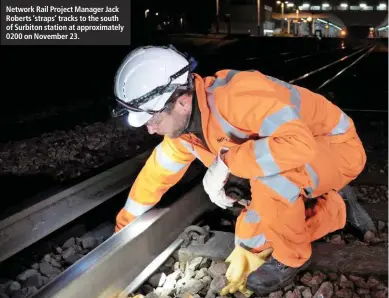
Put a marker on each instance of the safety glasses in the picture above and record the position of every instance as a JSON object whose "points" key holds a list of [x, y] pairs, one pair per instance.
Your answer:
{"points": [[123, 107]]}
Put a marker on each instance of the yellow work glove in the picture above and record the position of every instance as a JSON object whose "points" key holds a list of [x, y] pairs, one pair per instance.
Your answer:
{"points": [[242, 263]]}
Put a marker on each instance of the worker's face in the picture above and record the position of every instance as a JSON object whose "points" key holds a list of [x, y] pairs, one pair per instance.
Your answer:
{"points": [[174, 122]]}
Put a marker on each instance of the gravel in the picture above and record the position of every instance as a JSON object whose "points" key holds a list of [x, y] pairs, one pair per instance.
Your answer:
{"points": [[380, 167], [171, 281], [51, 265], [372, 194], [370, 238], [373, 131], [64, 155]]}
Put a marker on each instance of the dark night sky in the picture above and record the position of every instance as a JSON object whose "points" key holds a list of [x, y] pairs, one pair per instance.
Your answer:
{"points": [[198, 7], [206, 5]]}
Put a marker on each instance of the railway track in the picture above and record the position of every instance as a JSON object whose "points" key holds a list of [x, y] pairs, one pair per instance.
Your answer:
{"points": [[121, 266], [124, 263], [112, 269], [56, 210], [112, 266]]}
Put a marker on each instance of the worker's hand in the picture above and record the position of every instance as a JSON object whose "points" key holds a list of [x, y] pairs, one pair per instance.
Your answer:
{"points": [[123, 219], [221, 199], [214, 180], [242, 263]]}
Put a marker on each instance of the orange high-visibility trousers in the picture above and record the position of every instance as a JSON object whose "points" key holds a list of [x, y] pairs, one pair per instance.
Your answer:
{"points": [[271, 221]]}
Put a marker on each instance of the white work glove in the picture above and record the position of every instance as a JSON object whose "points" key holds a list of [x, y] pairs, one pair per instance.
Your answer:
{"points": [[214, 180]]}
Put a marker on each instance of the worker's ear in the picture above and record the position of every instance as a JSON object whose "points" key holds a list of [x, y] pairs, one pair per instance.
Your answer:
{"points": [[184, 102]]}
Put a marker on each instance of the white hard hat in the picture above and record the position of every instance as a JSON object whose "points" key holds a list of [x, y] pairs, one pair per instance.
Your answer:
{"points": [[147, 78]]}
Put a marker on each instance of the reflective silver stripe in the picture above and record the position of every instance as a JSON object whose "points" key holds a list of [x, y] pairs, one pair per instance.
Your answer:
{"points": [[227, 127], [262, 150], [136, 208], [295, 96], [253, 242], [189, 147], [342, 126], [166, 162], [264, 157], [315, 180], [274, 121], [222, 82], [252, 217], [283, 186]]}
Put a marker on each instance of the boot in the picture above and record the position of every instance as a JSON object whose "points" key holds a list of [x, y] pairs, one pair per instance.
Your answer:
{"points": [[272, 276], [357, 217]]}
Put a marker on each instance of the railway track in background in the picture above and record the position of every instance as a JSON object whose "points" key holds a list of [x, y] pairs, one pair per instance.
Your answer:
{"points": [[340, 60]]}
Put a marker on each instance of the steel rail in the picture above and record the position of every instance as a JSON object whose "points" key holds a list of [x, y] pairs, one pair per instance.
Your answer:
{"points": [[108, 269], [344, 69], [320, 53], [304, 76], [44, 217], [301, 57]]}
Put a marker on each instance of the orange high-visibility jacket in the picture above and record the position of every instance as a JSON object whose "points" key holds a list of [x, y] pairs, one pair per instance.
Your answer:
{"points": [[268, 125]]}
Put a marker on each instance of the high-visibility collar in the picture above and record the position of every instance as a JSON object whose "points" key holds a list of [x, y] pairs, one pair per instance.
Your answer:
{"points": [[194, 125]]}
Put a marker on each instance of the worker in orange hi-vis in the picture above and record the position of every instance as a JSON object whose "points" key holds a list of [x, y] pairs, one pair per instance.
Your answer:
{"points": [[291, 144]]}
